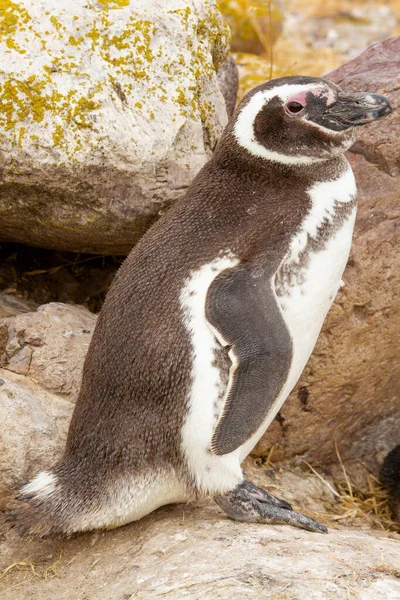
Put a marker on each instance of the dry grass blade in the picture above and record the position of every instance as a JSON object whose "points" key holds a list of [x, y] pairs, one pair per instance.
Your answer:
{"points": [[267, 461], [372, 506], [324, 481], [19, 566], [53, 270], [344, 470], [271, 42], [392, 571], [53, 568], [371, 503]]}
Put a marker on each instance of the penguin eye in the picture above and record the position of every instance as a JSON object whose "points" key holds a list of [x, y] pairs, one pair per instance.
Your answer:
{"points": [[294, 108]]}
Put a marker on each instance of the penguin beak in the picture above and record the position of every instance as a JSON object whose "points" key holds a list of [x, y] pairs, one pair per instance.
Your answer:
{"points": [[351, 110]]}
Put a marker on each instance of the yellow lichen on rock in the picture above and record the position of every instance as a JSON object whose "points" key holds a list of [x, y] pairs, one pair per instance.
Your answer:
{"points": [[129, 86], [113, 4], [126, 46], [12, 17]]}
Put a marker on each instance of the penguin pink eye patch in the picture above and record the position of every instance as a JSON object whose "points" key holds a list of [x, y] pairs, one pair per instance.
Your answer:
{"points": [[298, 102]]}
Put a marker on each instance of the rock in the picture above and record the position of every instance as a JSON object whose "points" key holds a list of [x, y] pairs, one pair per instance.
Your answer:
{"points": [[187, 552], [351, 383], [48, 346], [34, 425], [11, 306], [103, 125], [42, 356], [228, 81]]}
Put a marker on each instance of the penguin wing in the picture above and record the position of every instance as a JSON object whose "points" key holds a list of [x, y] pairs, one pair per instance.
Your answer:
{"points": [[242, 309]]}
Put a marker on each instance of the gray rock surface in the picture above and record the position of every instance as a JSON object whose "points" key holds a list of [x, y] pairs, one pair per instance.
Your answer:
{"points": [[110, 108], [197, 553], [11, 306], [228, 81]]}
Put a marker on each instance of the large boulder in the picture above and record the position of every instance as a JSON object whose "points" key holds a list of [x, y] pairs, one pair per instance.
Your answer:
{"points": [[109, 109], [349, 394]]}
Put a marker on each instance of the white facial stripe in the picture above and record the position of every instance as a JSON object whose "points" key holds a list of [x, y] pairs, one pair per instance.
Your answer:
{"points": [[244, 126]]}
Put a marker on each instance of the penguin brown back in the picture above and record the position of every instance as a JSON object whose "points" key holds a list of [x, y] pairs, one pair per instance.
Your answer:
{"points": [[211, 319]]}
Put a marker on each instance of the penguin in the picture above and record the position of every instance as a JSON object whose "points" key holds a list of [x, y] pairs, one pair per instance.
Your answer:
{"points": [[210, 321], [390, 478]]}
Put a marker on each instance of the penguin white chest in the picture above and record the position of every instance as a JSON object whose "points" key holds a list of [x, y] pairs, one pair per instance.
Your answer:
{"points": [[310, 275], [305, 285]]}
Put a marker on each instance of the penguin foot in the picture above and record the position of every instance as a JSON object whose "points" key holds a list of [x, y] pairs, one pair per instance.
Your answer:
{"points": [[247, 502]]}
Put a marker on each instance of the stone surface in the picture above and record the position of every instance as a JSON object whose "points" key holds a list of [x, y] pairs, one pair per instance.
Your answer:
{"points": [[48, 346], [42, 356], [33, 430], [228, 81], [349, 391], [196, 553], [11, 306], [109, 110]]}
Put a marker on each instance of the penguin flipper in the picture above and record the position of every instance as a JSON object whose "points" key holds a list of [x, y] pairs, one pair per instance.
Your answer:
{"points": [[242, 309]]}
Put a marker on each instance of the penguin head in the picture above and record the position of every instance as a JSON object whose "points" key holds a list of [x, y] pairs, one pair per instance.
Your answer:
{"points": [[301, 120]]}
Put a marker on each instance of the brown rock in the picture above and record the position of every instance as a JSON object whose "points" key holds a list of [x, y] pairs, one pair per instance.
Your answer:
{"points": [[33, 428], [352, 381], [42, 356], [48, 346], [11, 306]]}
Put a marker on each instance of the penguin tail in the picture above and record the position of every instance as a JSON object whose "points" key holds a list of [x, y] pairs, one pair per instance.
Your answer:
{"points": [[41, 508]]}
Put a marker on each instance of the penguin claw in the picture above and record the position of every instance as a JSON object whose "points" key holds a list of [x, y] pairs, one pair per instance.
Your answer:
{"points": [[290, 517], [262, 495], [252, 504]]}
